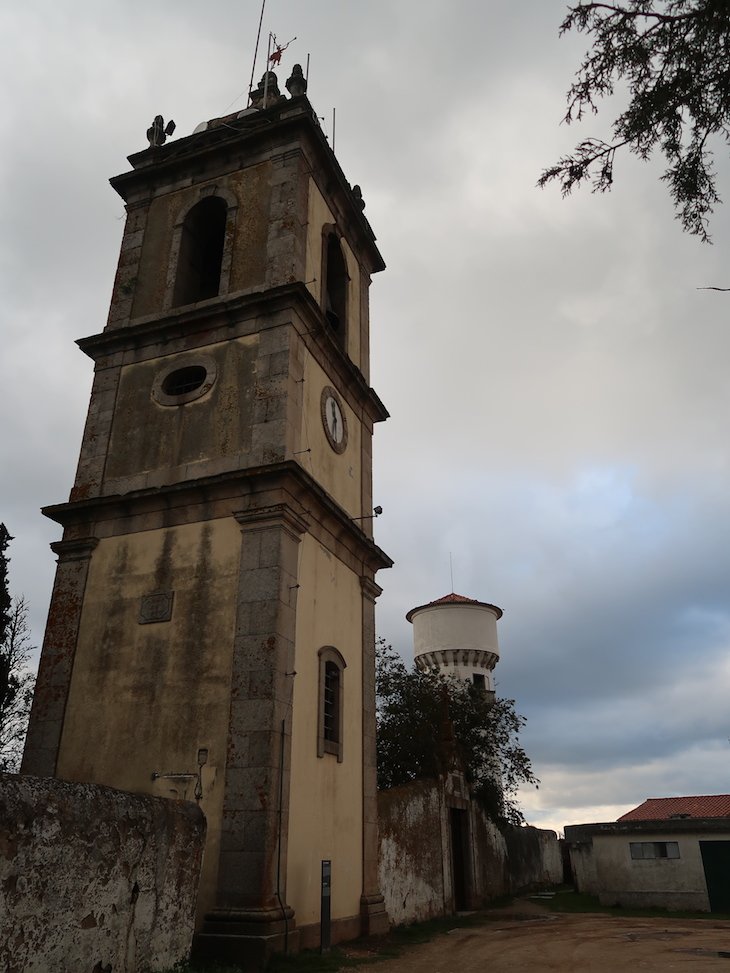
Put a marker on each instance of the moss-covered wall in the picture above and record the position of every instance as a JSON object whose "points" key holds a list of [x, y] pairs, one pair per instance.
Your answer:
{"points": [[145, 697]]}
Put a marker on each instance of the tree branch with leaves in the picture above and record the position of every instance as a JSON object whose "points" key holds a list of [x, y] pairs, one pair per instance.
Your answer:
{"points": [[410, 716], [674, 58]]}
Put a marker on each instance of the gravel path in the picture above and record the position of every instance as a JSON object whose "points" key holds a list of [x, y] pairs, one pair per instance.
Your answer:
{"points": [[525, 938]]}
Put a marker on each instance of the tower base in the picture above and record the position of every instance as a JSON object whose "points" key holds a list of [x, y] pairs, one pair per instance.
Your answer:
{"points": [[246, 938], [374, 918]]}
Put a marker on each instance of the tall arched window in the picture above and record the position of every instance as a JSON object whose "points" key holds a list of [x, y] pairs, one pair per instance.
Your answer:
{"points": [[201, 252], [331, 698], [336, 279]]}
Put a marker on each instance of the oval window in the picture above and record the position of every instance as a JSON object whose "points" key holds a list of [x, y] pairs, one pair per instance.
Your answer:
{"points": [[178, 384], [184, 380]]}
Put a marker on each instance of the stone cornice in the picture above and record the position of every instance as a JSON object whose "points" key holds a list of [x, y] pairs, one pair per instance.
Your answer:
{"points": [[74, 550], [223, 318], [278, 515], [245, 494], [188, 320], [370, 589]]}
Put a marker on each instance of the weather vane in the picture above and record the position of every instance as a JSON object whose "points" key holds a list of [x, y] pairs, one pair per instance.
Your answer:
{"points": [[275, 56]]}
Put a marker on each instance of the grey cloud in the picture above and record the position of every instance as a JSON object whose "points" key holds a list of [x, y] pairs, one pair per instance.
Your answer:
{"points": [[556, 382]]}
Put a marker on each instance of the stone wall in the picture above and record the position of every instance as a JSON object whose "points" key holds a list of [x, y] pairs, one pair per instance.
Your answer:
{"points": [[416, 861], [412, 878], [93, 879]]}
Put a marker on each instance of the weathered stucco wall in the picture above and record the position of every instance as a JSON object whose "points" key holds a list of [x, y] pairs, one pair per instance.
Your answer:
{"points": [[416, 862], [94, 879], [170, 681], [412, 870], [150, 440], [671, 883], [583, 866], [600, 856], [325, 810], [533, 858], [491, 871]]}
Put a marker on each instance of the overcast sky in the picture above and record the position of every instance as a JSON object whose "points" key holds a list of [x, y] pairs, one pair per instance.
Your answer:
{"points": [[557, 383]]}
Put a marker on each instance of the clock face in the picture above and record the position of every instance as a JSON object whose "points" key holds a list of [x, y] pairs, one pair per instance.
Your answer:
{"points": [[333, 419]]}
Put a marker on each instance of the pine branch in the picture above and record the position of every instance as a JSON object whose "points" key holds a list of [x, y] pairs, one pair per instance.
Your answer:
{"points": [[673, 57]]}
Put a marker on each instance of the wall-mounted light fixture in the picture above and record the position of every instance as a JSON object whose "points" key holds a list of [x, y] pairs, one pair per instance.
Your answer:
{"points": [[197, 777], [377, 511]]}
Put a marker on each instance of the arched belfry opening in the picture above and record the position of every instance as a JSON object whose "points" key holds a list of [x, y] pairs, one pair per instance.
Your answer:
{"points": [[336, 280], [201, 252]]}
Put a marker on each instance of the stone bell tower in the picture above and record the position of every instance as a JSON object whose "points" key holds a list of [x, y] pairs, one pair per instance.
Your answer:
{"points": [[211, 629]]}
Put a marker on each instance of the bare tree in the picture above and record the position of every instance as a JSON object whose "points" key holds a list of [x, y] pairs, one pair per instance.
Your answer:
{"points": [[16, 685], [5, 600]]}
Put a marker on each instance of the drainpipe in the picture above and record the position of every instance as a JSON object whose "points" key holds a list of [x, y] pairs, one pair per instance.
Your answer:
{"points": [[278, 852]]}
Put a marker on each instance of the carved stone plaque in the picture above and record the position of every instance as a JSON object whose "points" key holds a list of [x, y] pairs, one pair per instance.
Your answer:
{"points": [[156, 607]]}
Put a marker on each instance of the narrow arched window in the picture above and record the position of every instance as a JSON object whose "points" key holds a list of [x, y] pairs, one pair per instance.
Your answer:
{"points": [[331, 707], [201, 252], [335, 291], [331, 701]]}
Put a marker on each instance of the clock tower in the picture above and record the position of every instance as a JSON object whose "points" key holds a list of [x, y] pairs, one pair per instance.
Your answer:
{"points": [[211, 629]]}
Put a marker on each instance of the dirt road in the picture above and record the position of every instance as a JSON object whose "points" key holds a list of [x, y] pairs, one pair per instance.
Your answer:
{"points": [[535, 940]]}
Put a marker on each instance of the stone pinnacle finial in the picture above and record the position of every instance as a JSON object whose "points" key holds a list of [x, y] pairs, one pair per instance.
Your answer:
{"points": [[157, 132], [296, 85], [269, 86]]}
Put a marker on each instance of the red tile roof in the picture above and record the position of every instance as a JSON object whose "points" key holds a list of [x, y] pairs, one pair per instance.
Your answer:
{"points": [[454, 599], [665, 808]]}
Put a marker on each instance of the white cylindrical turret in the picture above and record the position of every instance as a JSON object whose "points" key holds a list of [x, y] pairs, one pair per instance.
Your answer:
{"points": [[458, 636]]}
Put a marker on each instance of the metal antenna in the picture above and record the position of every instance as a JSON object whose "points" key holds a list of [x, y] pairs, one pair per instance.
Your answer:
{"points": [[334, 119], [256, 50], [266, 73], [451, 568]]}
